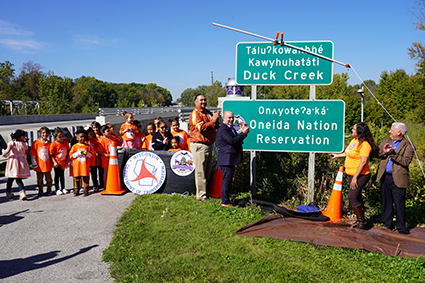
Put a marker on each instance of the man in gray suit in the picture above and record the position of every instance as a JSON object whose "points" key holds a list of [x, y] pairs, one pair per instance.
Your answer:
{"points": [[229, 153], [396, 153]]}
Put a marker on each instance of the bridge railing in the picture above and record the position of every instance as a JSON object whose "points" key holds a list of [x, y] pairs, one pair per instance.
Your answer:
{"points": [[136, 110]]}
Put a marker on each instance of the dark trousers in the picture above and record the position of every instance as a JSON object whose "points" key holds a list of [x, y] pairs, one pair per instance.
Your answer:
{"points": [[226, 184], [59, 178], [355, 196], [392, 194], [93, 173], [10, 182]]}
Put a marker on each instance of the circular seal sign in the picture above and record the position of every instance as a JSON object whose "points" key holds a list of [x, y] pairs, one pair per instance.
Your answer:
{"points": [[237, 123], [182, 163], [144, 173]]}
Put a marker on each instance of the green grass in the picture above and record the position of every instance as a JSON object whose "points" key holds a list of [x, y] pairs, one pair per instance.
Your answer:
{"points": [[195, 242]]}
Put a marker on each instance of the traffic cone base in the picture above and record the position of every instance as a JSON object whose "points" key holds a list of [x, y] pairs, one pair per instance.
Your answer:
{"points": [[333, 210], [113, 181]]}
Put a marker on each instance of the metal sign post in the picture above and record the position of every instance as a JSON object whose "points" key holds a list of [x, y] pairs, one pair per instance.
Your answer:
{"points": [[252, 153], [311, 160]]}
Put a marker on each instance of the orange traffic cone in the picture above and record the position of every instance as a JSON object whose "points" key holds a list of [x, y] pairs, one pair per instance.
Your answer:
{"points": [[113, 182], [333, 210], [215, 190]]}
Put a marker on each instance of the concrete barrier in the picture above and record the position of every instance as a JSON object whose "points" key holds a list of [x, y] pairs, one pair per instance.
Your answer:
{"points": [[24, 119]]}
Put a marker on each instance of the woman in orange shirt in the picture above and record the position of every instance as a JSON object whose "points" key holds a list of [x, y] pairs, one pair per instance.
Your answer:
{"points": [[357, 167]]}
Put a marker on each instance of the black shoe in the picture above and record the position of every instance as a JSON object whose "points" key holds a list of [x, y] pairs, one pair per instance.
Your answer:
{"points": [[404, 231]]}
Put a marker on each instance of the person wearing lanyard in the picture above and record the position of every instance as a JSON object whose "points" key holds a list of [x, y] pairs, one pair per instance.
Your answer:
{"points": [[396, 153], [203, 125]]}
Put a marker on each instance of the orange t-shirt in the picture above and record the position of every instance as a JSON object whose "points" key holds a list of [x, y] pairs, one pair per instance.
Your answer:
{"points": [[183, 139], [95, 146], [354, 152], [81, 164], [174, 149], [40, 150], [148, 143], [106, 145], [138, 140], [116, 139], [130, 134], [59, 151]]}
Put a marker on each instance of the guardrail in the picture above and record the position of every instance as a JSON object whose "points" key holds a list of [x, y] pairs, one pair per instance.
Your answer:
{"points": [[136, 110], [184, 113]]}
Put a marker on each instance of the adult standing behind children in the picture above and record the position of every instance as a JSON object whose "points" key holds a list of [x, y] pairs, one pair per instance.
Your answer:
{"points": [[230, 153], [396, 153], [17, 165], [203, 125]]}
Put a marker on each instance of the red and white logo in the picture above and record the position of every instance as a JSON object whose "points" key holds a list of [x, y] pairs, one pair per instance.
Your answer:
{"points": [[144, 173]]}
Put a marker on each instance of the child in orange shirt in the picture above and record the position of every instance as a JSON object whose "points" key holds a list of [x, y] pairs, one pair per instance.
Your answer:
{"points": [[80, 156], [107, 143], [140, 137], [148, 141], [114, 137], [183, 136], [59, 151], [96, 126], [41, 160], [96, 147], [128, 131], [175, 144]]}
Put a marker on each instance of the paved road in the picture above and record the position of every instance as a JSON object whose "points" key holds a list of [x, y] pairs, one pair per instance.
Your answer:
{"points": [[56, 238]]}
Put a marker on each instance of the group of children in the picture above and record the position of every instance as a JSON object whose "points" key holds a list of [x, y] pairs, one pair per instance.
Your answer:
{"points": [[88, 154]]}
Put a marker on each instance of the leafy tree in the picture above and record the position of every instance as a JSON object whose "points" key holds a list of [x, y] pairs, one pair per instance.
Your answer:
{"points": [[6, 78], [188, 97], [417, 51], [55, 94]]}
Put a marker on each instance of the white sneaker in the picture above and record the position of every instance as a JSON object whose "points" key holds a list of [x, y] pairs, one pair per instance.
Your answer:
{"points": [[65, 191], [22, 195], [59, 192]]}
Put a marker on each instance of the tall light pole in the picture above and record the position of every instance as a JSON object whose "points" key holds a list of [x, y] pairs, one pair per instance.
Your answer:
{"points": [[361, 91]]}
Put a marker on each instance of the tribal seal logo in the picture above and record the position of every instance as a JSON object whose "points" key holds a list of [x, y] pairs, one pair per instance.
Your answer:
{"points": [[237, 123], [182, 163], [144, 173]]}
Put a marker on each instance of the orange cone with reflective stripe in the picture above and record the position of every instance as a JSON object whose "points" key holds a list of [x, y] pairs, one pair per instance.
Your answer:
{"points": [[333, 211], [113, 182]]}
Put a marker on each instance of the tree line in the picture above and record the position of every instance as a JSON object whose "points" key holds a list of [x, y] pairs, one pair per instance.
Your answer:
{"points": [[62, 95]]}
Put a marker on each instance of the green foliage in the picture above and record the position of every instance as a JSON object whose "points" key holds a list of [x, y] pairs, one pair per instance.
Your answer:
{"points": [[163, 238], [211, 93], [55, 94]]}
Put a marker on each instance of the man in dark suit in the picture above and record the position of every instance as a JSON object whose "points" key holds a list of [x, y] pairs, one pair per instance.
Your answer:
{"points": [[396, 153], [229, 153]]}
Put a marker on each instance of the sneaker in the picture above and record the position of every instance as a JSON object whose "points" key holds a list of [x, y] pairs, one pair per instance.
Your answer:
{"points": [[40, 192], [96, 189], [48, 193], [65, 191], [76, 192], [22, 195], [9, 195], [59, 192]]}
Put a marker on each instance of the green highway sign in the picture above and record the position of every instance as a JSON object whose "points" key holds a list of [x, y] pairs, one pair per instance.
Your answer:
{"points": [[291, 125], [262, 63]]}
